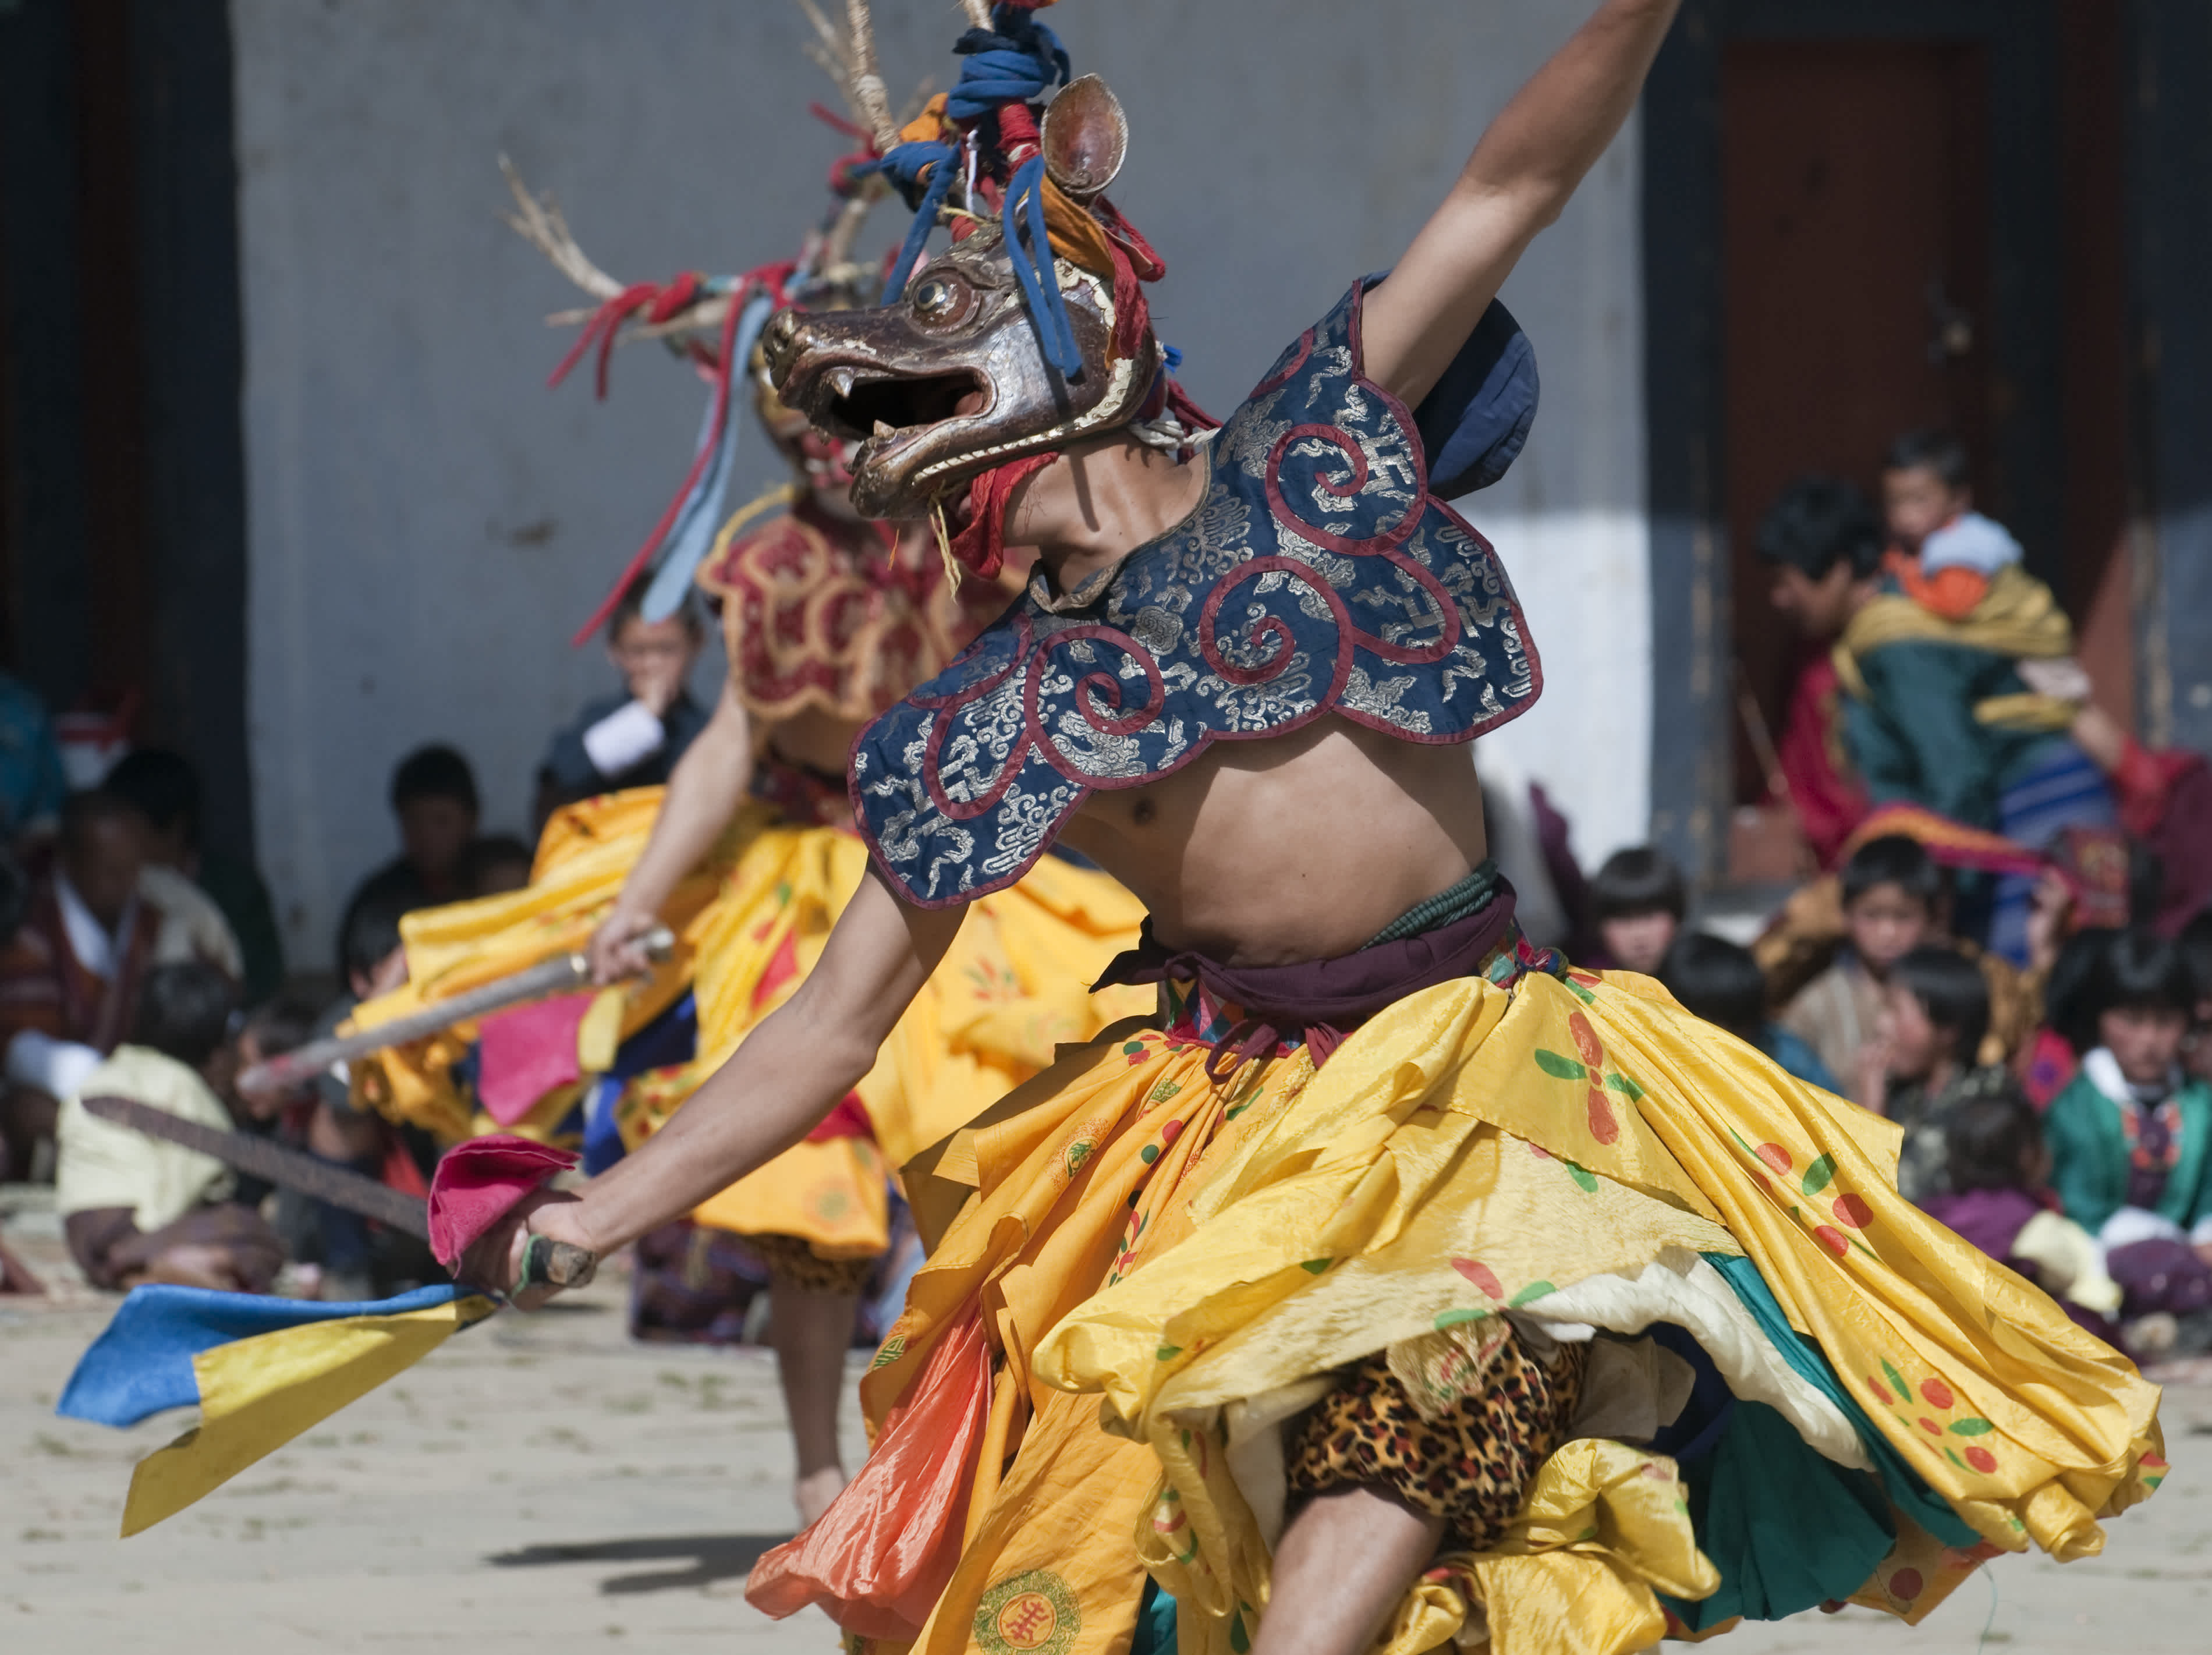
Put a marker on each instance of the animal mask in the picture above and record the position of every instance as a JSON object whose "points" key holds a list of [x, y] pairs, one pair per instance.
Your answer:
{"points": [[1031, 333]]}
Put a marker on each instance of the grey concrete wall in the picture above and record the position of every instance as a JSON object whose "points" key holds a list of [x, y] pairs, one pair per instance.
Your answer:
{"points": [[429, 523]]}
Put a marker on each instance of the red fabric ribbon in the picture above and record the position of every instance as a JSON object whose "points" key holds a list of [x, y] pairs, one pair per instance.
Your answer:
{"points": [[768, 278], [981, 548]]}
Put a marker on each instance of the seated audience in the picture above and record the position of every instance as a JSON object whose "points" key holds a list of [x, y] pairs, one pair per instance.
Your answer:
{"points": [[632, 737], [70, 972], [33, 783], [496, 863], [1821, 546], [1920, 1068], [167, 790], [1998, 1168], [2132, 1136], [433, 794], [138, 1208], [1947, 552], [353, 1260], [1721, 982], [1892, 897], [2196, 944], [1638, 900]]}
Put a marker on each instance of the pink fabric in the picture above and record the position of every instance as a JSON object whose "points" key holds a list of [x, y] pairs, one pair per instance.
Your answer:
{"points": [[527, 1051], [477, 1183]]}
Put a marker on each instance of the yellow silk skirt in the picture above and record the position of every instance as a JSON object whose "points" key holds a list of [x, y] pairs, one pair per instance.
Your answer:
{"points": [[1170, 1269], [749, 922]]}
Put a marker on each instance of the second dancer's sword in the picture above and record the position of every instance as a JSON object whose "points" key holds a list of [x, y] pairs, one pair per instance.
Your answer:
{"points": [[551, 976]]}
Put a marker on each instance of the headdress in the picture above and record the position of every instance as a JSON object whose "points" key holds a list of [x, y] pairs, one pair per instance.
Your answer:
{"points": [[1031, 332], [716, 323]]}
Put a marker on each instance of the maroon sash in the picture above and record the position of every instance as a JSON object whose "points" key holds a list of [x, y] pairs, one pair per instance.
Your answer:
{"points": [[1317, 1003]]}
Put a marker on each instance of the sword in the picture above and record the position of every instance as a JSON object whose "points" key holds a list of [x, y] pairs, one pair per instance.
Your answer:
{"points": [[272, 1161], [545, 1263], [551, 976]]}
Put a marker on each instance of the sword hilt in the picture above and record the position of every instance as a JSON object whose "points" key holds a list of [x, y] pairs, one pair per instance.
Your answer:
{"points": [[561, 1265]]}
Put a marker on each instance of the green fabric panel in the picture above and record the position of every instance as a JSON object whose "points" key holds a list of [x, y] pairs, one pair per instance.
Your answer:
{"points": [[1787, 1529], [2186, 1190], [1915, 736], [1899, 1481], [1155, 1622], [2089, 1156]]}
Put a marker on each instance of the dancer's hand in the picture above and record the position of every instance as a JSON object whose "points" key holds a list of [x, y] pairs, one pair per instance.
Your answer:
{"points": [[496, 1261], [617, 947]]}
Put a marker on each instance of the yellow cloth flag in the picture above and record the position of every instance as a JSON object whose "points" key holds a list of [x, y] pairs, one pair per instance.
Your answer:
{"points": [[256, 1393]]}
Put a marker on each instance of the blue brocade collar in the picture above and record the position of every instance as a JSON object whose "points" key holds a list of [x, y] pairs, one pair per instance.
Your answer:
{"points": [[1319, 573]]}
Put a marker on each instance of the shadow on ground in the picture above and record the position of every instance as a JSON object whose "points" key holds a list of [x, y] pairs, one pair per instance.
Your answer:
{"points": [[707, 1558]]}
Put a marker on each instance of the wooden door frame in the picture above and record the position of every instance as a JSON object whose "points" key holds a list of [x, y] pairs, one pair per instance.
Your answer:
{"points": [[2169, 45], [125, 489], [1693, 694]]}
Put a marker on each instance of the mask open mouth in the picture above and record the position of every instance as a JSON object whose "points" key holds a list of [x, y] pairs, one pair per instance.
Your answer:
{"points": [[862, 405]]}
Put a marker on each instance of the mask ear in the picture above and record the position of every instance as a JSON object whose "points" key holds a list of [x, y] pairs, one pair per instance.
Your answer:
{"points": [[1085, 137]]}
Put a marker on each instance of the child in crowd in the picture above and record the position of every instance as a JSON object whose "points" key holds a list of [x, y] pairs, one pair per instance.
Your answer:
{"points": [[137, 1208], [632, 737], [495, 864], [167, 789], [1638, 900], [1721, 983], [2196, 944], [433, 794], [1949, 551], [346, 1260], [2132, 1136], [1893, 896], [1999, 1172], [1920, 1068]]}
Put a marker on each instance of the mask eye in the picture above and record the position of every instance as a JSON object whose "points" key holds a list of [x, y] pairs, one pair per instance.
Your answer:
{"points": [[937, 299]]}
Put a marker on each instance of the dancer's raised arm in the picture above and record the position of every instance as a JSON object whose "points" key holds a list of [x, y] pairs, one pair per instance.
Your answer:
{"points": [[789, 1073], [1519, 178]]}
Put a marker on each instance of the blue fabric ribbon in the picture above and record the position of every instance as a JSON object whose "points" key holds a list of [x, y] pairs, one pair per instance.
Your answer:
{"points": [[923, 173], [692, 534], [1032, 262], [1015, 60]]}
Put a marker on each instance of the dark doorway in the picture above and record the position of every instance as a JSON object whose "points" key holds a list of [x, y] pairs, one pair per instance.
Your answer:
{"points": [[1855, 273], [1862, 216], [121, 466]]}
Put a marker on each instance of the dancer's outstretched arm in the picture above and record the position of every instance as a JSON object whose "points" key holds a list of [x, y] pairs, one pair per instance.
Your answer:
{"points": [[704, 792], [790, 1073], [1515, 183]]}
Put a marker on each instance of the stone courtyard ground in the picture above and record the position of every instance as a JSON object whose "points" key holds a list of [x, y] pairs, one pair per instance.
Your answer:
{"points": [[542, 1485]]}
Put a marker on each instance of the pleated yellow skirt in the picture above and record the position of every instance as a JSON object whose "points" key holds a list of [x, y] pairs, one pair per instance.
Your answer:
{"points": [[1170, 1269]]}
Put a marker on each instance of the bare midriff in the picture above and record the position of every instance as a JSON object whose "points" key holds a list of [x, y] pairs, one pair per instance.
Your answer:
{"points": [[814, 738], [1290, 848]]}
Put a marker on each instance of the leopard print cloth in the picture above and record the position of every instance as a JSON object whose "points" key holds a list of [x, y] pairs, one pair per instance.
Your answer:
{"points": [[1469, 1463], [792, 1260]]}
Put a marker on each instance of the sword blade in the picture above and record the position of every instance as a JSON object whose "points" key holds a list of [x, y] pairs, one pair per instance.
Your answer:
{"points": [[274, 1162], [550, 976], [305, 1062]]}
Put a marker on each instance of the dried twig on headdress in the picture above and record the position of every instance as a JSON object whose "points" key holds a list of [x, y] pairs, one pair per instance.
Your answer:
{"points": [[867, 81], [539, 222]]}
